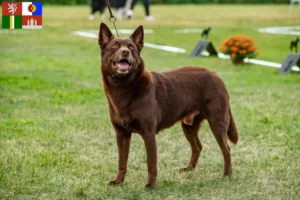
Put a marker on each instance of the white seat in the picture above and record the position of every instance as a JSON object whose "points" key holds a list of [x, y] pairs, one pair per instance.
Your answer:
{"points": [[295, 1], [292, 3]]}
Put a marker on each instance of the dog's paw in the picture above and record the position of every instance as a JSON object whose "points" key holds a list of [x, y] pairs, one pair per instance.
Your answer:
{"points": [[227, 174], [150, 186], [115, 183], [186, 169]]}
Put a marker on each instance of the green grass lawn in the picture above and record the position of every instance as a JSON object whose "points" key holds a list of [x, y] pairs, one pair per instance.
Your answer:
{"points": [[56, 140]]}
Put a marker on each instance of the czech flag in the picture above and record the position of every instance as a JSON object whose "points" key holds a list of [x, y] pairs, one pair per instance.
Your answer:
{"points": [[11, 8], [32, 8]]}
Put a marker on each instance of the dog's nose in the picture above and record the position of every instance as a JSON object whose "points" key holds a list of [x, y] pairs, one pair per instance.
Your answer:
{"points": [[125, 52]]}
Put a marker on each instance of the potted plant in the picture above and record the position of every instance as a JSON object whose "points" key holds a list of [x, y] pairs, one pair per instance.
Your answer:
{"points": [[239, 47]]}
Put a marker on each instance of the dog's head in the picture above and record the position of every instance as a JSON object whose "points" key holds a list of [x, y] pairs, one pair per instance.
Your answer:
{"points": [[120, 57]]}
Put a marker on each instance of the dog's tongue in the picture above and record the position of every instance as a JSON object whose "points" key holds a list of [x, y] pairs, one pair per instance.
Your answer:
{"points": [[123, 65]]}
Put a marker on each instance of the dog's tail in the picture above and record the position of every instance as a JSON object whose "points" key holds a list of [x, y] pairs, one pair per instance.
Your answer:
{"points": [[232, 132]]}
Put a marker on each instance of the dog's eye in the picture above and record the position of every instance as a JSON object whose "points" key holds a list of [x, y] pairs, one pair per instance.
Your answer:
{"points": [[114, 46], [131, 48]]}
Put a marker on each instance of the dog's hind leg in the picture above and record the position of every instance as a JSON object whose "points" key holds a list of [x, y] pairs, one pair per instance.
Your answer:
{"points": [[190, 126], [219, 123]]}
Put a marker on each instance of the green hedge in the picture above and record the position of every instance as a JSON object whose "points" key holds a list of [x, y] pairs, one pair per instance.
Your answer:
{"points": [[58, 2], [78, 2], [220, 1]]}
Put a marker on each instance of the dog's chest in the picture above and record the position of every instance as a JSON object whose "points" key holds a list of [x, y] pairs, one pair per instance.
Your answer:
{"points": [[126, 121], [123, 116]]}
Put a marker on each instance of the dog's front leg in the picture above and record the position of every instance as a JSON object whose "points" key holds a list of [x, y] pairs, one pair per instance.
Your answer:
{"points": [[123, 142], [150, 144]]}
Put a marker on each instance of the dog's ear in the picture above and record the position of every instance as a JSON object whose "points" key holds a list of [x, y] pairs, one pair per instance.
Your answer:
{"points": [[105, 35], [138, 37]]}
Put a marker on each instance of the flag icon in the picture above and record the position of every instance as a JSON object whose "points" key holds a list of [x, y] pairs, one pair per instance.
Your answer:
{"points": [[32, 22], [32, 8], [12, 22], [22, 15], [11, 8]]}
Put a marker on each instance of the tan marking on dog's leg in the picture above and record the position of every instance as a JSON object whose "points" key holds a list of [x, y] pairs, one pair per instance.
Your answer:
{"points": [[189, 118]]}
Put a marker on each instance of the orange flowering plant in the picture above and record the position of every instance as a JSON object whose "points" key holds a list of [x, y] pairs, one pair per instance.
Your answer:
{"points": [[239, 47]]}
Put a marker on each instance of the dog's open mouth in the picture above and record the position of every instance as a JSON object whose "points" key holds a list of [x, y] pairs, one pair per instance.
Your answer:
{"points": [[123, 66]]}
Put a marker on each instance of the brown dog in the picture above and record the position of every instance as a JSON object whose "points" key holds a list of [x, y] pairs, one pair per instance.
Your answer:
{"points": [[147, 102]]}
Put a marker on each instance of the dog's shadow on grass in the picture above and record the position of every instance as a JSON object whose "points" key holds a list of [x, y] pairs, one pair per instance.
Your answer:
{"points": [[193, 185]]}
